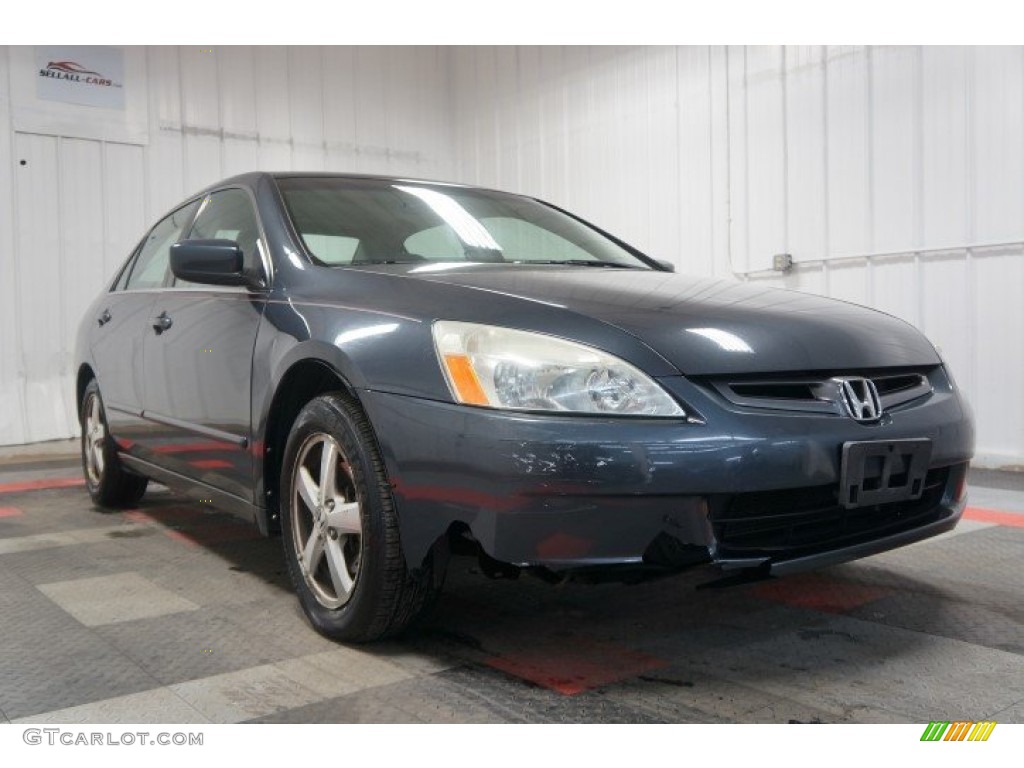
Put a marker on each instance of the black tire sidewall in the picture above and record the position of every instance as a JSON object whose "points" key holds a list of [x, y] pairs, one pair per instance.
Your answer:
{"points": [[331, 414]]}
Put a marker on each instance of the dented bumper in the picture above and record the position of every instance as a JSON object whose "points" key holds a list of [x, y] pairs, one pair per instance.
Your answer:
{"points": [[571, 492]]}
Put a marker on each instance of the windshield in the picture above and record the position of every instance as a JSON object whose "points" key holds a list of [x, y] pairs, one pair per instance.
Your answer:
{"points": [[349, 222]]}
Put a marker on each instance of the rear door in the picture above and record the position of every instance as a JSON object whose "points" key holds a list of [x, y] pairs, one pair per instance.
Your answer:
{"points": [[198, 359], [122, 323]]}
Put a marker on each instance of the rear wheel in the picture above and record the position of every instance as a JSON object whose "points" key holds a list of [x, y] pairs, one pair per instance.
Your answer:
{"points": [[108, 482], [340, 528]]}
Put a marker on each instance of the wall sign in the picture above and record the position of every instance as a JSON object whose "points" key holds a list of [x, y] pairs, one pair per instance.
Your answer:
{"points": [[90, 75], [98, 92]]}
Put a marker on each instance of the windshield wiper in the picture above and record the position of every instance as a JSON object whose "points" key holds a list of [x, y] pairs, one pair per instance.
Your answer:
{"points": [[580, 263], [387, 261], [570, 262]]}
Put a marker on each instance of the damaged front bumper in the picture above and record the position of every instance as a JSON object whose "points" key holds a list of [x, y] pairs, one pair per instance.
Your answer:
{"points": [[572, 493]]}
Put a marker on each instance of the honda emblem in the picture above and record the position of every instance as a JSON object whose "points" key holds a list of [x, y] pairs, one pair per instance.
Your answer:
{"points": [[859, 397]]}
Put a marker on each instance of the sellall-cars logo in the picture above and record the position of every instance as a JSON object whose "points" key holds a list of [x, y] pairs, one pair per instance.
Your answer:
{"points": [[76, 73]]}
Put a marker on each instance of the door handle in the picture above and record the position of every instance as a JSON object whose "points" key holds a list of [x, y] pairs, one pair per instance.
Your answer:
{"points": [[162, 322], [104, 318]]}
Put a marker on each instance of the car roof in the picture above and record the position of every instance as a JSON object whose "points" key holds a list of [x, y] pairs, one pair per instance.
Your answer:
{"points": [[252, 178]]}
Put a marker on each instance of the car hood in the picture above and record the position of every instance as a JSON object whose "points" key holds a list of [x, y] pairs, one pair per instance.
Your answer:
{"points": [[707, 326]]}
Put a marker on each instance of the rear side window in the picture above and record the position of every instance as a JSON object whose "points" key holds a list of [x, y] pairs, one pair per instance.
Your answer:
{"points": [[152, 267]]}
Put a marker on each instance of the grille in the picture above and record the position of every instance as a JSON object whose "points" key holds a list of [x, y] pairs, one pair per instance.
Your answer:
{"points": [[904, 383], [820, 394], [808, 520]]}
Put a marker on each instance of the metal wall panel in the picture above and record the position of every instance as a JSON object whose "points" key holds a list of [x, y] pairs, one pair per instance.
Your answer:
{"points": [[766, 148], [273, 115], [737, 141], [339, 118], [123, 168], [165, 153], [237, 75], [13, 425], [997, 103], [849, 160], [71, 214], [686, 203], [997, 367], [894, 125], [945, 146], [806, 152], [41, 287], [81, 211]]}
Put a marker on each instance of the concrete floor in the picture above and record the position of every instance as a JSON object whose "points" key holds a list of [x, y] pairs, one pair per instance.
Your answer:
{"points": [[170, 613]]}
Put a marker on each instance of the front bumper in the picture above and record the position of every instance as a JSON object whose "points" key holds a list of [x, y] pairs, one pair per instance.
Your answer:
{"points": [[947, 517], [575, 492]]}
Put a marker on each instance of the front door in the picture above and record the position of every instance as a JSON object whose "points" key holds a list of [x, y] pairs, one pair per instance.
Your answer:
{"points": [[198, 360]]}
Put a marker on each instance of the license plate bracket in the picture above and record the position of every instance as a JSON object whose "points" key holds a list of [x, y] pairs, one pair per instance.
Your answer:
{"points": [[883, 471]]}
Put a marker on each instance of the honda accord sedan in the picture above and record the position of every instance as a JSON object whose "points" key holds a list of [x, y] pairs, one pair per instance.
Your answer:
{"points": [[387, 372]]}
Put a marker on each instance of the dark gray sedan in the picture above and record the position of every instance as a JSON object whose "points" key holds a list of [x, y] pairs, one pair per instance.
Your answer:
{"points": [[389, 371]]}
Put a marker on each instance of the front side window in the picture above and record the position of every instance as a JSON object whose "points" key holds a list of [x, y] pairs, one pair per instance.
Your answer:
{"points": [[229, 215], [368, 221], [152, 266]]}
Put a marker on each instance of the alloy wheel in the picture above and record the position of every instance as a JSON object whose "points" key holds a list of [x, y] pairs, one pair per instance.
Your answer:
{"points": [[326, 520], [94, 434]]}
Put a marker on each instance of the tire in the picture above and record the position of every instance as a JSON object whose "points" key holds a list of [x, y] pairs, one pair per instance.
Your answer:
{"points": [[109, 484], [341, 537]]}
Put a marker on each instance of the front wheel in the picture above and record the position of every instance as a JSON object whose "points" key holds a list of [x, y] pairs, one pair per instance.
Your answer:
{"points": [[340, 528]]}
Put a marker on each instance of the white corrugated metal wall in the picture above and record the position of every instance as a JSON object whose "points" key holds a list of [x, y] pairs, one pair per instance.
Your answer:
{"points": [[72, 212], [893, 175]]}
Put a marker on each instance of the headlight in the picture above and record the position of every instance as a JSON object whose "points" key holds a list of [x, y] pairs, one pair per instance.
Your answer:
{"points": [[518, 370]]}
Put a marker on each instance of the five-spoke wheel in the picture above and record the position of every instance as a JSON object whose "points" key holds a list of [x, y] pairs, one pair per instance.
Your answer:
{"points": [[326, 525], [93, 433], [340, 527]]}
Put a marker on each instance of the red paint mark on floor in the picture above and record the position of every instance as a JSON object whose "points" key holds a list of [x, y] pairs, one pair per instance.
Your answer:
{"points": [[1014, 520], [164, 515], [819, 593], [211, 464], [10, 512], [181, 537], [42, 485], [581, 666]]}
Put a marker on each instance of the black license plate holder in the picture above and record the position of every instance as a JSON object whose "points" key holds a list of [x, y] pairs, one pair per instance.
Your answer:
{"points": [[883, 471]]}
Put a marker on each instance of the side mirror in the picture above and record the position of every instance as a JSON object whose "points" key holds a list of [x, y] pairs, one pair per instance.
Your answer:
{"points": [[667, 266], [210, 262]]}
